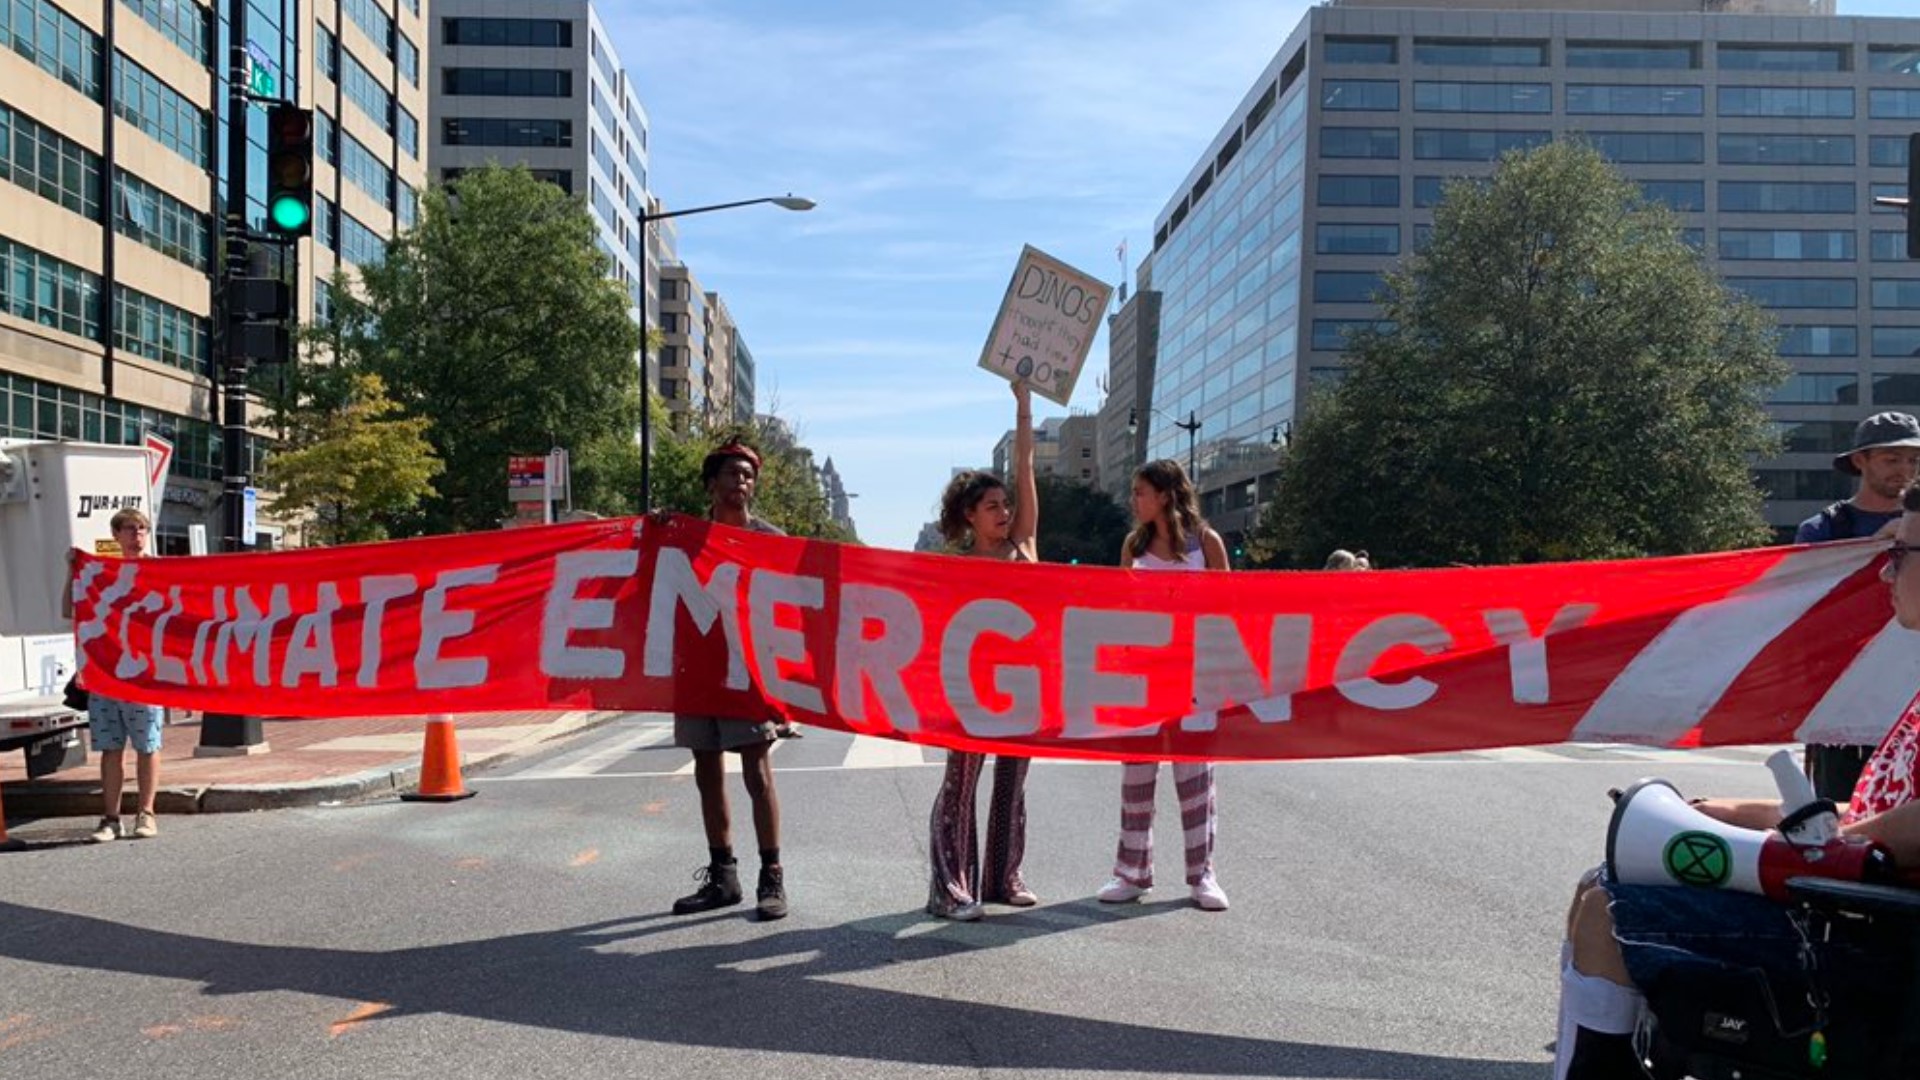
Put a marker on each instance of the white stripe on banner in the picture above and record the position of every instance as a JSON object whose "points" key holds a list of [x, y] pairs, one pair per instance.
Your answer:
{"points": [[1863, 703], [1666, 689]]}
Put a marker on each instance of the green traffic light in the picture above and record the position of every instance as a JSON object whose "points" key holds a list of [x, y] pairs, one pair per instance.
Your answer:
{"points": [[289, 214]]}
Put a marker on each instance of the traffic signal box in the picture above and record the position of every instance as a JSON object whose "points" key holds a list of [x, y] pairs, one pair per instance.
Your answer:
{"points": [[290, 171]]}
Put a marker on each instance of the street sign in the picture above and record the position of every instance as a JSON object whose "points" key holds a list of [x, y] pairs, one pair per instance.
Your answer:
{"points": [[526, 471], [159, 462], [1046, 325], [249, 515]]}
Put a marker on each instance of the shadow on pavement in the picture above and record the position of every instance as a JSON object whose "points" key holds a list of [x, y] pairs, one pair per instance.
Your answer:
{"points": [[774, 993]]}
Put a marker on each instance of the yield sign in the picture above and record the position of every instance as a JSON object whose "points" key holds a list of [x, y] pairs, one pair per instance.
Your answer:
{"points": [[159, 458]]}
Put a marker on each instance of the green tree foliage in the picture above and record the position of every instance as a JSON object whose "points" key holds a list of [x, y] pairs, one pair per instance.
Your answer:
{"points": [[788, 494], [1564, 379], [496, 319], [348, 462], [1079, 523]]}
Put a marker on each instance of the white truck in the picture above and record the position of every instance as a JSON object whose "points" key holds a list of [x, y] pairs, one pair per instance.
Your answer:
{"points": [[53, 496]]}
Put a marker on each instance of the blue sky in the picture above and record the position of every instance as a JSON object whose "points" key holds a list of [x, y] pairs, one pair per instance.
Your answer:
{"points": [[937, 139]]}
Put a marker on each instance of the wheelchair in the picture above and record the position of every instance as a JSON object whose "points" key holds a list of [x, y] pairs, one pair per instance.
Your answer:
{"points": [[1729, 1028]]}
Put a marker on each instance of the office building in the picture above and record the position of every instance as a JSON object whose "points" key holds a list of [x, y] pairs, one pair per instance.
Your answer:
{"points": [[1768, 125], [1133, 338]]}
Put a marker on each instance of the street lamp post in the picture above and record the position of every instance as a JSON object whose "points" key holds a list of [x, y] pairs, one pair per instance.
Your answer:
{"points": [[1191, 425], [784, 202]]}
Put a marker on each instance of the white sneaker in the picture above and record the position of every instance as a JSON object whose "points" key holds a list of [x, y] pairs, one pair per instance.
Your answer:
{"points": [[1209, 896], [109, 830], [145, 827], [1120, 891]]}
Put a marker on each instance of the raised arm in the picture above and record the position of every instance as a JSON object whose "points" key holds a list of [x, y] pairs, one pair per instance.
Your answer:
{"points": [[1026, 503]]}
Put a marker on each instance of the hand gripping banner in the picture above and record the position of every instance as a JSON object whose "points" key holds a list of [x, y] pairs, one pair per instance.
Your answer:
{"points": [[677, 614]]}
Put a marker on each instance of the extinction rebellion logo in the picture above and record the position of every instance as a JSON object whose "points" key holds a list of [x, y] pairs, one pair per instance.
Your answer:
{"points": [[1699, 858]]}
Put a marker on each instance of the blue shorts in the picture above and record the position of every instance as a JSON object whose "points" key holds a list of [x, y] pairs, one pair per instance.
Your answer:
{"points": [[113, 724]]}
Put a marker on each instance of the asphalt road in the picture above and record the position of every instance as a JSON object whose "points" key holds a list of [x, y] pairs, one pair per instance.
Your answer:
{"points": [[1391, 919]]}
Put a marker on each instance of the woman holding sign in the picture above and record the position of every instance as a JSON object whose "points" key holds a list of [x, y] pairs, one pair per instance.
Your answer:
{"points": [[977, 518]]}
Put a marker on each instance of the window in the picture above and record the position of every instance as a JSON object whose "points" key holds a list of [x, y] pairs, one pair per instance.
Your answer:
{"points": [[1798, 292], [1330, 335], [1480, 97], [366, 93], [406, 131], [1894, 59], [1783, 57], [1782, 101], [1591, 99], [157, 109], [359, 244], [1802, 339], [366, 171], [1876, 191], [1814, 245], [1893, 104], [1897, 293], [1427, 191], [406, 205], [1786, 149], [409, 59], [1680, 195], [526, 33], [1815, 436], [1359, 50], [1358, 95], [159, 331], [1480, 53], [1345, 142], [502, 131], [160, 221], [40, 288], [326, 138], [326, 50], [1632, 56], [1820, 485], [1343, 239], [1359, 191], [1887, 151], [1888, 246], [49, 164], [508, 82], [53, 40], [1650, 147], [1787, 197], [1345, 286], [1818, 389], [373, 21], [1897, 341], [325, 223], [182, 22], [1431, 144]]}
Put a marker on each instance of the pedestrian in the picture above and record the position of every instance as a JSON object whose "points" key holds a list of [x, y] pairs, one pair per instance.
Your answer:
{"points": [[977, 519], [1342, 559], [112, 724], [730, 473], [1168, 534], [1886, 448]]}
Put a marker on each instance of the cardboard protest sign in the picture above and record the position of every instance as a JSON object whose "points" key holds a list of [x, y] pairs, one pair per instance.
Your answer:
{"points": [[1046, 325]]}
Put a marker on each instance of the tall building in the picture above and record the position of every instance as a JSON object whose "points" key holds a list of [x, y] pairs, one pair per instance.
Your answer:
{"points": [[114, 164], [839, 499], [1133, 339], [1769, 125], [1075, 457]]}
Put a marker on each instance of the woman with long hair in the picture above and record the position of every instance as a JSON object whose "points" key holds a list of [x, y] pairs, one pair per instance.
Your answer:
{"points": [[979, 520], [1168, 534]]}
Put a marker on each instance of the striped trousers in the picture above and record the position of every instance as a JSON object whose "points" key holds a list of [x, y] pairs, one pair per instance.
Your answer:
{"points": [[1194, 782], [956, 877]]}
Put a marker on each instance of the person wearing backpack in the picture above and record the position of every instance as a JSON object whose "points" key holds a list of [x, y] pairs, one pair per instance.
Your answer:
{"points": [[1886, 450]]}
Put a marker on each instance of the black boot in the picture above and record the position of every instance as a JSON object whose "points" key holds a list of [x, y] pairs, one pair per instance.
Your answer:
{"points": [[719, 887], [772, 894], [1600, 1056]]}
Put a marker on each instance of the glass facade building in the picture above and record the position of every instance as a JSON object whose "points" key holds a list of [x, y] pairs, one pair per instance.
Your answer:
{"points": [[1769, 134]]}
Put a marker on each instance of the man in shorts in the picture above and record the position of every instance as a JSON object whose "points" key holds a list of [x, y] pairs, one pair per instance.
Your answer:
{"points": [[111, 724], [729, 474]]}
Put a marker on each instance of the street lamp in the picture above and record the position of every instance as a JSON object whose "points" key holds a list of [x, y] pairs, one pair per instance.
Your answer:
{"points": [[788, 201], [1191, 425]]}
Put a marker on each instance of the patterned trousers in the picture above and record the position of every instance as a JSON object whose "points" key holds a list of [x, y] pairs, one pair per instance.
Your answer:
{"points": [[1194, 782], [955, 854]]}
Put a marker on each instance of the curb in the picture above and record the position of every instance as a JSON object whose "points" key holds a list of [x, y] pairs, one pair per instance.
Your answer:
{"points": [[81, 798]]}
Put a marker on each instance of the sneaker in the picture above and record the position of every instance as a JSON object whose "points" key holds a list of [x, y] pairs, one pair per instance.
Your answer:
{"points": [[1120, 891], [109, 830], [771, 894], [1208, 894], [967, 912], [145, 826], [788, 731], [1016, 895], [719, 887]]}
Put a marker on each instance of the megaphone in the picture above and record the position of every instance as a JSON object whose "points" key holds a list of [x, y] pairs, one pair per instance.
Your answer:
{"points": [[1658, 838]]}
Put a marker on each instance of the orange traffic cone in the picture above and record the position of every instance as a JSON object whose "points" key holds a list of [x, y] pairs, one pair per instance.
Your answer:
{"points": [[439, 766]]}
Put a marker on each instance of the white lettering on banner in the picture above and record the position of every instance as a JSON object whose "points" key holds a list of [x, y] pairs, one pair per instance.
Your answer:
{"points": [[1363, 650], [251, 629], [376, 593], [1874, 690], [204, 631], [167, 668], [675, 584], [131, 663], [122, 587], [767, 591], [311, 650], [972, 622], [565, 611], [439, 626], [1085, 689], [1527, 653], [861, 661], [1224, 674]]}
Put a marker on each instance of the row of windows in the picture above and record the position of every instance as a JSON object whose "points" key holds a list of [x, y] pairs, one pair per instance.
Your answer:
{"points": [[374, 21], [507, 82], [40, 288], [1625, 147], [1594, 99], [182, 22], [160, 221], [526, 33], [49, 164], [53, 40], [31, 409], [1736, 196], [1451, 145], [1815, 245], [366, 92], [142, 100], [503, 131], [365, 171], [1732, 56], [359, 244], [1843, 388], [1810, 484], [159, 331]]}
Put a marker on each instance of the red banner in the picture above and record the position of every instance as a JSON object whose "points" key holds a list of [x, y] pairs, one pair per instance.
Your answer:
{"points": [[680, 615]]}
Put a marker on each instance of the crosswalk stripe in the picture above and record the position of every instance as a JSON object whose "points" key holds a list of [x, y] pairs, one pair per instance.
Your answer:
{"points": [[868, 752]]}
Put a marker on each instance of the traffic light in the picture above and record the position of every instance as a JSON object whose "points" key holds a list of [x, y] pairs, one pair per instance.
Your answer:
{"points": [[290, 170]]}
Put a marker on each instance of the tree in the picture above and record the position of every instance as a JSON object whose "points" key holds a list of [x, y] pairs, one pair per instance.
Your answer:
{"points": [[1079, 523], [787, 493], [497, 319], [346, 460], [1563, 378]]}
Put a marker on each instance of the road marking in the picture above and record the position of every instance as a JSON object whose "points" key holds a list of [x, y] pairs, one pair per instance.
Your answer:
{"points": [[868, 752]]}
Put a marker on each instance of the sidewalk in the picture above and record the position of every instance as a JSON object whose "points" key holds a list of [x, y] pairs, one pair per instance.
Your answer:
{"points": [[308, 762]]}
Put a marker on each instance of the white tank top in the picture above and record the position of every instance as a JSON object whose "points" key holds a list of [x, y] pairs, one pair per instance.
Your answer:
{"points": [[1195, 559]]}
